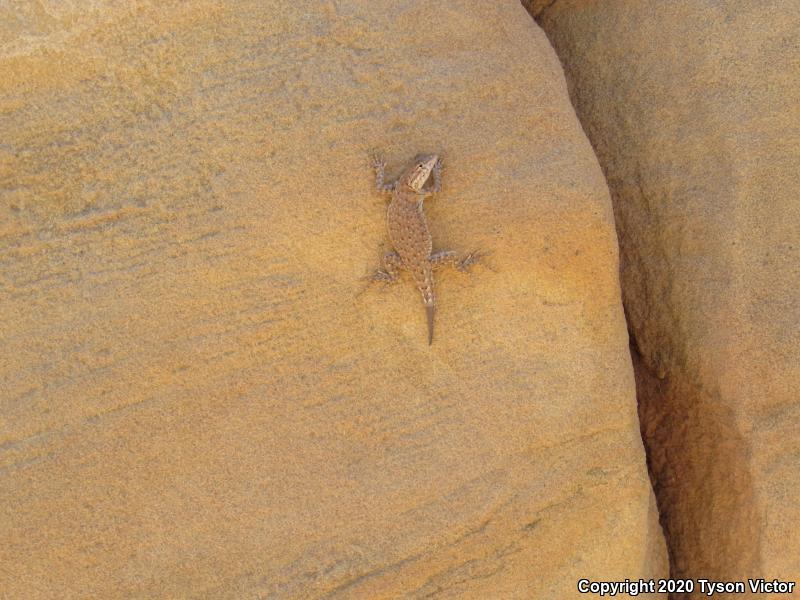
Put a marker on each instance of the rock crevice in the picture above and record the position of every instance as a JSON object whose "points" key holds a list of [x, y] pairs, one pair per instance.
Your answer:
{"points": [[692, 109]]}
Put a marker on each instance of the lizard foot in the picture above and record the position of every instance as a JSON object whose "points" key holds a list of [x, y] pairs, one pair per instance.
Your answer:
{"points": [[376, 160], [383, 276], [380, 166], [377, 277], [470, 259]]}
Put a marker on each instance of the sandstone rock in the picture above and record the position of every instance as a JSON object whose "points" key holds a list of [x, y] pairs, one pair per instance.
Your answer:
{"points": [[692, 108], [200, 397]]}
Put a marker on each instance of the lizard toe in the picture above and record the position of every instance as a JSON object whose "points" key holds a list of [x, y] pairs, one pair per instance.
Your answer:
{"points": [[469, 260]]}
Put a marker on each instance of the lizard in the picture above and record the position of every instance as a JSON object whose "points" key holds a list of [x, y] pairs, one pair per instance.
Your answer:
{"points": [[408, 230]]}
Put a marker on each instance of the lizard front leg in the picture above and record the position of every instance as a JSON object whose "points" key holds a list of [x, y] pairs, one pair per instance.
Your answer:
{"points": [[392, 263], [437, 179], [379, 165]]}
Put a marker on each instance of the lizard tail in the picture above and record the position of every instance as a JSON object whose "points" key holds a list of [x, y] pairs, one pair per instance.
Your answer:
{"points": [[430, 309]]}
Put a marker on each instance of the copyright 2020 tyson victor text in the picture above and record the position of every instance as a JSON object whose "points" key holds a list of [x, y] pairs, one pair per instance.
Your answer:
{"points": [[707, 587]]}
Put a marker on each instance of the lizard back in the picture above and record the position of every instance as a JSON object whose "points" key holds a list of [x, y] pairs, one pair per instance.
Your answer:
{"points": [[408, 232]]}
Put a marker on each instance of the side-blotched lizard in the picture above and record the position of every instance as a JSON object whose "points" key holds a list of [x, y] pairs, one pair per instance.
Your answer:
{"points": [[408, 230]]}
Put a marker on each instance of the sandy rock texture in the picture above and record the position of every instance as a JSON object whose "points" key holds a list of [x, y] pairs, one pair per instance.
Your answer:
{"points": [[693, 109], [202, 398]]}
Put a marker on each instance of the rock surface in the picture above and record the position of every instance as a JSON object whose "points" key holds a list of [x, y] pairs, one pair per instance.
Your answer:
{"points": [[693, 109], [201, 399]]}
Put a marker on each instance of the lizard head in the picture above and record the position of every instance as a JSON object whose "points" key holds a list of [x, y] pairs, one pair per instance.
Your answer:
{"points": [[419, 171]]}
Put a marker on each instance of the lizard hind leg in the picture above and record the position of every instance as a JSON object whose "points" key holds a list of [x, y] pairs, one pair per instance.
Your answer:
{"points": [[392, 263], [450, 258], [444, 258]]}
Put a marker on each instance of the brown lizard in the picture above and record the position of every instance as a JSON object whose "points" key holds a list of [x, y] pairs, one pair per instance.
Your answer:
{"points": [[408, 230]]}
